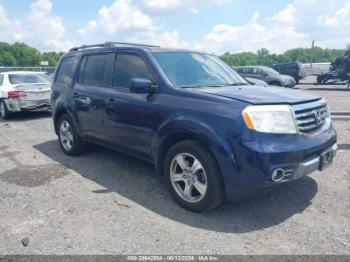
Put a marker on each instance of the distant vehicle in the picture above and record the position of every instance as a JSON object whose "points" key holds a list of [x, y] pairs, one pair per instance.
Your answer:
{"points": [[339, 71], [48, 76], [256, 81], [266, 74], [23, 91], [210, 133], [294, 70], [332, 76]]}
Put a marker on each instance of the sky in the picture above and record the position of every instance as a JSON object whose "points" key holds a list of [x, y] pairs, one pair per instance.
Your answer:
{"points": [[216, 26]]}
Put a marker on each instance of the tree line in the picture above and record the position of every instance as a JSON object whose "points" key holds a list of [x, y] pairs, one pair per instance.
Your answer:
{"points": [[303, 55], [21, 54]]}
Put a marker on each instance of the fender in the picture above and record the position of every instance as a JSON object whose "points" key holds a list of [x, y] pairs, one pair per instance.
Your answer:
{"points": [[184, 125], [63, 104]]}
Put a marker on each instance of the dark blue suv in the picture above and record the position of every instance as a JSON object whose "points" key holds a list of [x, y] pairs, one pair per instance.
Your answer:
{"points": [[211, 135]]}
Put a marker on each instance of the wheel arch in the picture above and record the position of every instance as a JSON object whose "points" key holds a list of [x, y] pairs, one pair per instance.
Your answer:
{"points": [[60, 112], [275, 82], [169, 135]]}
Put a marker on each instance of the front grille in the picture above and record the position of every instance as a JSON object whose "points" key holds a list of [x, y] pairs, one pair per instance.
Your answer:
{"points": [[311, 117]]}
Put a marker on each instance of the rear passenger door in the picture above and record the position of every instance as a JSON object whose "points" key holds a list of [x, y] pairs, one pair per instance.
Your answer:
{"points": [[89, 93], [131, 118]]}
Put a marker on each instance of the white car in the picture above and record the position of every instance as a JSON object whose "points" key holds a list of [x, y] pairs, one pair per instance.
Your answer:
{"points": [[23, 91]]}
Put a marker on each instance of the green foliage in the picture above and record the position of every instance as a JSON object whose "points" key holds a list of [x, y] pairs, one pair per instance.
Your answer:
{"points": [[20, 54], [264, 57]]}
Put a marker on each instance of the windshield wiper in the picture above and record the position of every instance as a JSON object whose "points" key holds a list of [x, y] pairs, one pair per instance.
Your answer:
{"points": [[238, 84], [218, 85], [200, 86]]}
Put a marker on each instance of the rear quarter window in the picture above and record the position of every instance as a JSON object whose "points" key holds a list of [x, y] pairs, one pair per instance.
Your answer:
{"points": [[1, 79], [66, 70]]}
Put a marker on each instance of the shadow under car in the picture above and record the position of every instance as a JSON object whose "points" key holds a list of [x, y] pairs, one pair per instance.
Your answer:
{"points": [[138, 181]]}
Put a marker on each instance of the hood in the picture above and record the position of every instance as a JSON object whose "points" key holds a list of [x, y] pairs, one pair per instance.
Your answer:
{"points": [[256, 81], [260, 95]]}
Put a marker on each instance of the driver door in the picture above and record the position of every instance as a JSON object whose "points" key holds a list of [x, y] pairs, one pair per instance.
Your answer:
{"points": [[131, 119]]}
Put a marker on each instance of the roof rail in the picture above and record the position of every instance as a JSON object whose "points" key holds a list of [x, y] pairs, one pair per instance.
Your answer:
{"points": [[109, 44]]}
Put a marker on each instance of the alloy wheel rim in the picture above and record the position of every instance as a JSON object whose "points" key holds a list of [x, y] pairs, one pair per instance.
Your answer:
{"points": [[66, 135], [188, 177]]}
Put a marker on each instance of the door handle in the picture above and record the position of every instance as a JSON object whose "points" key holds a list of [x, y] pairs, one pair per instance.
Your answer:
{"points": [[82, 99], [112, 101]]}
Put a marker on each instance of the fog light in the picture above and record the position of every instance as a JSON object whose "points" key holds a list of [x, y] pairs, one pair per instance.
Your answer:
{"points": [[278, 175]]}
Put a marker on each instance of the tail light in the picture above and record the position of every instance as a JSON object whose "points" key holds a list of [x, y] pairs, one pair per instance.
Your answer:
{"points": [[16, 94]]}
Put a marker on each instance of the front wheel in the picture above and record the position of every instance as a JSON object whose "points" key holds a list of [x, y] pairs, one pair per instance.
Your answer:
{"points": [[193, 176], [4, 112]]}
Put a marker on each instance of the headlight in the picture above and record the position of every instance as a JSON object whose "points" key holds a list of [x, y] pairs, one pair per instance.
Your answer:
{"points": [[277, 119]]}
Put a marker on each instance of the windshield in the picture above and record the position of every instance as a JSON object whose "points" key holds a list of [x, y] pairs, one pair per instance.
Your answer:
{"points": [[16, 79], [186, 70], [270, 71]]}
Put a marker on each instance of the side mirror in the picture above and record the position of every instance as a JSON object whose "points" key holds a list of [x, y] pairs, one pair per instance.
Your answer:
{"points": [[142, 86]]}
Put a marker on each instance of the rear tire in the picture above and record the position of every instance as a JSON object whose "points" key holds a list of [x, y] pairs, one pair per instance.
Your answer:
{"points": [[70, 141], [275, 84], [198, 190], [4, 112]]}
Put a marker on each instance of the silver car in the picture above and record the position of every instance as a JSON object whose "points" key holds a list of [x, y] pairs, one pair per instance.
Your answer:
{"points": [[23, 91], [266, 74]]}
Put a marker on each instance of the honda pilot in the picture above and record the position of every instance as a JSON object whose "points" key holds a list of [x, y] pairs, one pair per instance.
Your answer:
{"points": [[211, 134]]}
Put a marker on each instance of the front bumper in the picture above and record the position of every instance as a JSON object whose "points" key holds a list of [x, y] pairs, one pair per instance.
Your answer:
{"points": [[311, 166], [257, 159], [18, 105]]}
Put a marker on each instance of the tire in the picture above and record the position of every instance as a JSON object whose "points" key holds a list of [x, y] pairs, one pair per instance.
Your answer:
{"points": [[70, 141], [4, 112], [275, 84], [207, 176]]}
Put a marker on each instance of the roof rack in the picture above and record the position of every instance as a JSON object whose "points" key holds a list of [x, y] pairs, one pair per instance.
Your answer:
{"points": [[109, 44]]}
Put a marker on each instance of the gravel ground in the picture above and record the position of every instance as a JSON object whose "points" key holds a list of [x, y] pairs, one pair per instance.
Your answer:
{"points": [[338, 96], [107, 203]]}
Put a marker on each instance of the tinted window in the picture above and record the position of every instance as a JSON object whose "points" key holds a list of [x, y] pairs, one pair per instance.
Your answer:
{"points": [[1, 79], [16, 79], [93, 70], [66, 70], [244, 71], [130, 66], [256, 71]]}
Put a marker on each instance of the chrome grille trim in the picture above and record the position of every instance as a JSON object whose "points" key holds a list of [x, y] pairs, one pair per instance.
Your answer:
{"points": [[310, 117]]}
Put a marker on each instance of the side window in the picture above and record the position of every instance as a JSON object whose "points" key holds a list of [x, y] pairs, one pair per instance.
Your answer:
{"points": [[129, 66], [1, 79], [251, 71], [256, 71], [93, 70], [66, 70]]}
